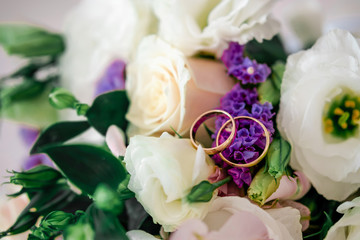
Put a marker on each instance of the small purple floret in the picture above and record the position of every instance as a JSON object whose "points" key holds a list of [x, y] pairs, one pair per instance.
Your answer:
{"points": [[113, 78], [246, 70], [233, 55], [240, 176]]}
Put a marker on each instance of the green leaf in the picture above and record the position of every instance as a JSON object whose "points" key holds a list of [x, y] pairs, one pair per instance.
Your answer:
{"points": [[325, 228], [87, 166], [106, 225], [203, 192], [37, 177], [108, 109], [269, 91], [269, 51], [59, 133], [278, 157], [262, 186], [28, 89], [49, 199], [35, 111], [30, 41]]}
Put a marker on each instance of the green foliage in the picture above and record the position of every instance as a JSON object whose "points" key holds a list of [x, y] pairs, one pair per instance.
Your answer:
{"points": [[30, 41], [44, 201], [96, 224], [325, 228], [53, 225], [203, 192], [108, 109], [269, 51], [262, 186], [269, 91], [278, 157], [26, 90], [37, 177], [35, 111], [107, 199], [59, 133], [87, 166]]}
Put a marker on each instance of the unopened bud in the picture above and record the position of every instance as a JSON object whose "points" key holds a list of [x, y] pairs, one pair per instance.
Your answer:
{"points": [[61, 98]]}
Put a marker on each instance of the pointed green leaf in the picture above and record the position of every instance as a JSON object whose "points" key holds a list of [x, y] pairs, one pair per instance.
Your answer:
{"points": [[269, 91], [108, 109], [59, 133], [87, 166], [30, 41]]}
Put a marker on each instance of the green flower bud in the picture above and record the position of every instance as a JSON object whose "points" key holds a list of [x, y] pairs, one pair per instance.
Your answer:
{"points": [[61, 98], [80, 231], [278, 157], [204, 191], [262, 186], [108, 200], [37, 177]]}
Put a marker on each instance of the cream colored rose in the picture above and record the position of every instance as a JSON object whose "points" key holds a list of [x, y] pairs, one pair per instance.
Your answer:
{"points": [[348, 227], [167, 90], [235, 218], [208, 25], [312, 80], [163, 171], [96, 34]]}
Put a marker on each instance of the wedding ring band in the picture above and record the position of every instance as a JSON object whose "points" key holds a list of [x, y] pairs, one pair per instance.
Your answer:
{"points": [[202, 118], [256, 161]]}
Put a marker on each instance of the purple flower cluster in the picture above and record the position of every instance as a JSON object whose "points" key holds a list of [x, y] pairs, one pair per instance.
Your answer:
{"points": [[249, 140], [246, 70]]}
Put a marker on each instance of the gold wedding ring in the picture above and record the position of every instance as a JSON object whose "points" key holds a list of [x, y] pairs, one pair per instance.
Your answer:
{"points": [[256, 161], [202, 118]]}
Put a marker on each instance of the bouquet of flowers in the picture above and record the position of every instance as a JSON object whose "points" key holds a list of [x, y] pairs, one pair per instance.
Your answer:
{"points": [[183, 120]]}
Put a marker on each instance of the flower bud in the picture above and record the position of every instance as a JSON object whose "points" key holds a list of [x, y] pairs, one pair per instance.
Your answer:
{"points": [[61, 98], [262, 186]]}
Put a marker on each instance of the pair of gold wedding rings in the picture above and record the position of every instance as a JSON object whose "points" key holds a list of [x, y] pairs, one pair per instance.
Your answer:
{"points": [[219, 148]]}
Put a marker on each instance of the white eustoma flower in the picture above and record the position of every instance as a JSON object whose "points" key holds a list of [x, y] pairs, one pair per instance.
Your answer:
{"points": [[163, 171], [96, 34], [140, 235], [322, 128], [166, 90], [348, 227], [236, 218], [208, 25]]}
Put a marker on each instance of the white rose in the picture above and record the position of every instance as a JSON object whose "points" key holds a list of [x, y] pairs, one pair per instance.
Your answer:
{"points": [[163, 171], [167, 90], [205, 25], [97, 33], [140, 235], [348, 227], [235, 218], [312, 80]]}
